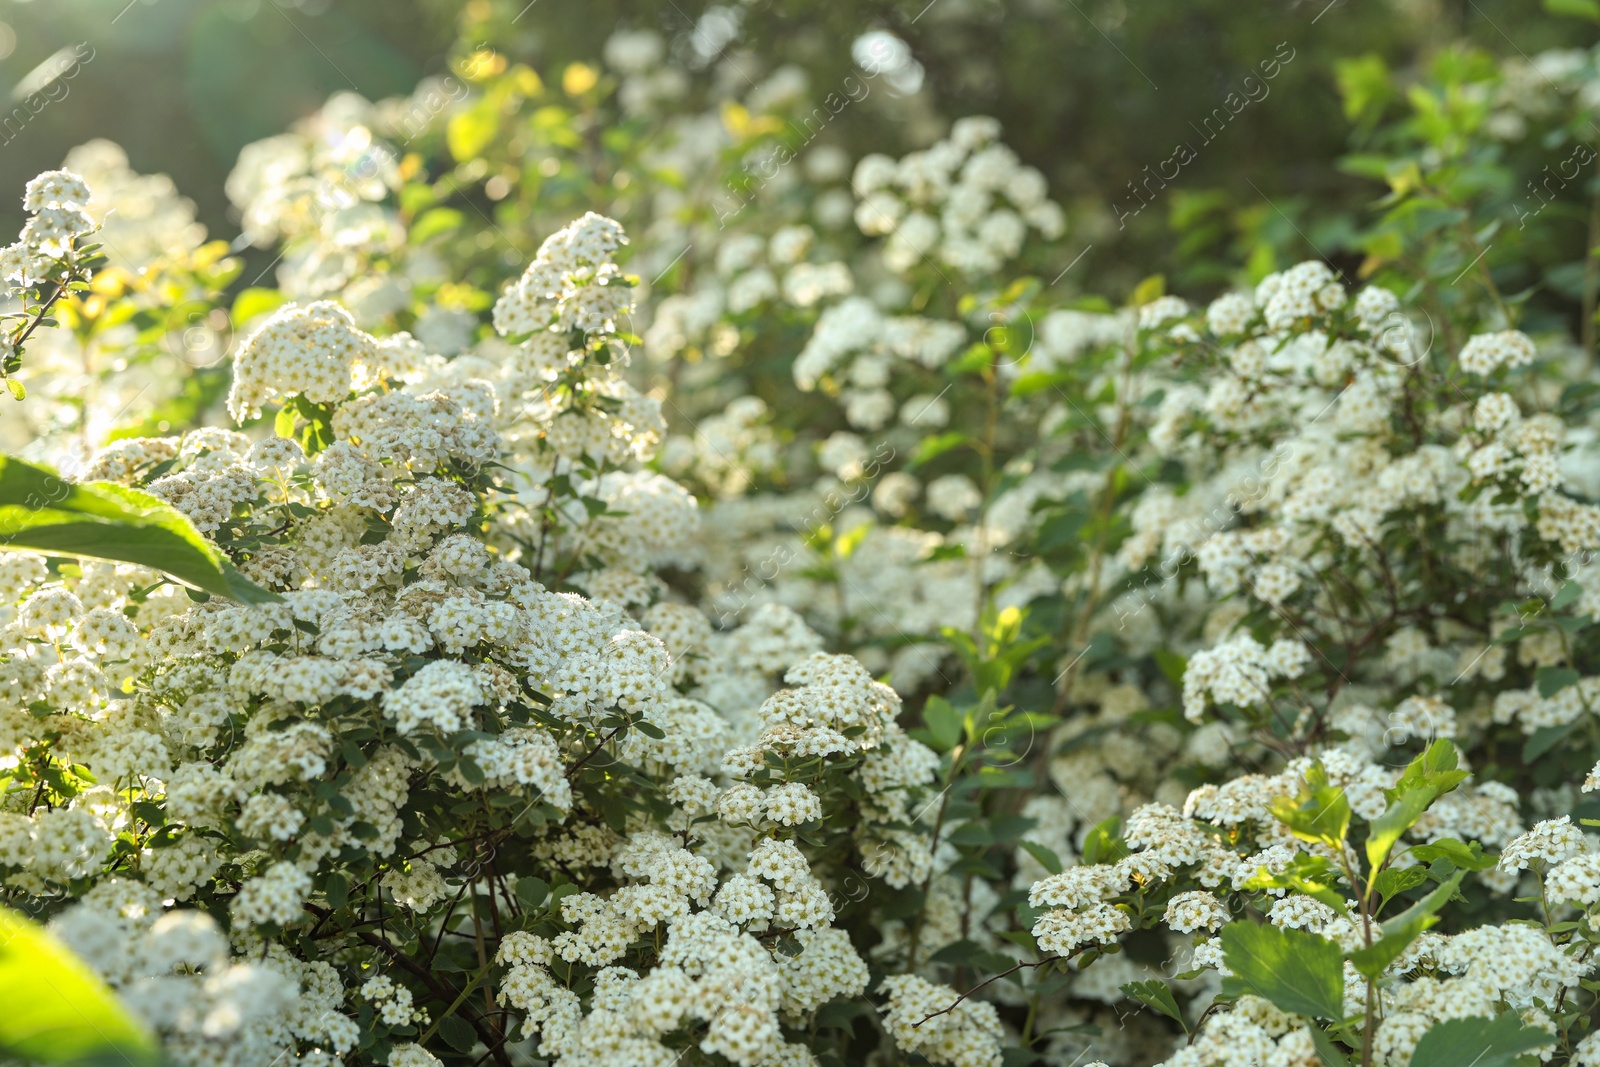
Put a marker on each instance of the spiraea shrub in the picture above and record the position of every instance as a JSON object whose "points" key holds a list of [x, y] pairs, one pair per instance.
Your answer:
{"points": [[793, 619]]}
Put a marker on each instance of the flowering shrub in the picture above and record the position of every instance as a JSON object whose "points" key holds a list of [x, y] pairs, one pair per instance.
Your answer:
{"points": [[805, 628]]}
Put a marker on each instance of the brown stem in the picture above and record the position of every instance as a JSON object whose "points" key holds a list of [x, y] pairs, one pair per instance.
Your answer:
{"points": [[987, 981]]}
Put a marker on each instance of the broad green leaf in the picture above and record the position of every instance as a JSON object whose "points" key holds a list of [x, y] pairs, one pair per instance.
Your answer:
{"points": [[1319, 814], [438, 220], [1567, 594], [1299, 972], [1398, 880], [1546, 738], [42, 511], [1426, 908], [1426, 779], [56, 1009], [1104, 843], [945, 723], [1158, 995], [1462, 855], [253, 302], [1554, 679], [1046, 857], [933, 447], [470, 131], [1311, 875], [1583, 9], [1478, 1042]]}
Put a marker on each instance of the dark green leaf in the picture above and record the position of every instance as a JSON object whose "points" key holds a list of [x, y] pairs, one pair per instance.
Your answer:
{"points": [[1479, 1042], [1158, 995], [43, 511]]}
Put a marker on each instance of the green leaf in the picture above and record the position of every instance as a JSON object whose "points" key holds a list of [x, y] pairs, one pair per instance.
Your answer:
{"points": [[1469, 856], [432, 223], [1568, 593], [1553, 680], [43, 511], [1478, 1041], [1299, 972], [1171, 665], [1544, 739], [1399, 932], [1426, 779], [471, 131], [1047, 858], [1582, 9], [1104, 843], [945, 723], [1397, 880], [1329, 1053], [457, 1033], [253, 302], [56, 1009], [933, 447], [1319, 814], [18, 390], [1425, 908], [1158, 995]]}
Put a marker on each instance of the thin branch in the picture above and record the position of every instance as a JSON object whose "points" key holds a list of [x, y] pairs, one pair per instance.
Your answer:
{"points": [[980, 985]]}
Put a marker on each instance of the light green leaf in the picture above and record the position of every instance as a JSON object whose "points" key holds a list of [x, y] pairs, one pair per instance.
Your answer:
{"points": [[439, 220], [1478, 1041], [1299, 972], [1319, 814], [1583, 9], [56, 1009], [44, 512], [253, 302], [945, 723], [1426, 779], [472, 130]]}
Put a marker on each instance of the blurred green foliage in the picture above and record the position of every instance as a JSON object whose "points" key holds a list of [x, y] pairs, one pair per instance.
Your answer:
{"points": [[1101, 95]]}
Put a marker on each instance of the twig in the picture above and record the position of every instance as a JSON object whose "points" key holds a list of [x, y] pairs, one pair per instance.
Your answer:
{"points": [[980, 985]]}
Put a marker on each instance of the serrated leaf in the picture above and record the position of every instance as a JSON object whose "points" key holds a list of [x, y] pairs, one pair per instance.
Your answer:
{"points": [[1158, 995], [1426, 779], [1397, 880], [1469, 856], [457, 1033], [1300, 972]]}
